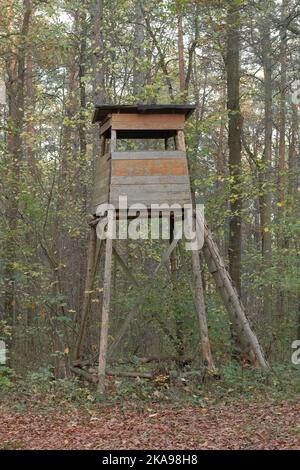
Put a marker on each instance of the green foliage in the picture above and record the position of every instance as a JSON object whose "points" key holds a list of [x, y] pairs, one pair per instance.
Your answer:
{"points": [[5, 330], [237, 381], [43, 254], [41, 388], [6, 376]]}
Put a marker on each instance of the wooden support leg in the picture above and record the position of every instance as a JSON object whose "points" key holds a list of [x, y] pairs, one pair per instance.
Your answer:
{"points": [[179, 324], [90, 274], [200, 307], [105, 316]]}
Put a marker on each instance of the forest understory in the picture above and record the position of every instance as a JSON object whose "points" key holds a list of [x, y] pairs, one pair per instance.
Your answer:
{"points": [[227, 316], [239, 409]]}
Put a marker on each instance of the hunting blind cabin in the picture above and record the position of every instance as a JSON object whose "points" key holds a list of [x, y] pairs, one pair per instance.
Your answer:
{"points": [[155, 176]]}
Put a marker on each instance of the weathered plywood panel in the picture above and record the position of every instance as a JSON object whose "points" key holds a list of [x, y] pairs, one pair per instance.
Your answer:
{"points": [[102, 185], [101, 182], [100, 198], [102, 162], [150, 188], [145, 180], [123, 214], [151, 198], [100, 192], [151, 193], [148, 155], [147, 121], [101, 175], [162, 167]]}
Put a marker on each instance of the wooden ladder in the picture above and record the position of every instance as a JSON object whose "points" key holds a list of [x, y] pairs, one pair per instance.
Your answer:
{"points": [[231, 300]]}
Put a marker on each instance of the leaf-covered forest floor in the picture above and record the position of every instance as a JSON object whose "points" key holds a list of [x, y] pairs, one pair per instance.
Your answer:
{"points": [[240, 409], [235, 425]]}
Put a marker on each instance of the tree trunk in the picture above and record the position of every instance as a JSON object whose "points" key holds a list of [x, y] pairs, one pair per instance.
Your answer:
{"points": [[201, 311], [89, 282], [15, 87], [265, 170], [282, 110], [98, 53], [181, 55], [138, 80], [234, 141], [292, 187]]}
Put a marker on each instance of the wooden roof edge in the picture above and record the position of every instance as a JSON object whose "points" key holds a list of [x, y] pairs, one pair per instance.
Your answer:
{"points": [[102, 110]]}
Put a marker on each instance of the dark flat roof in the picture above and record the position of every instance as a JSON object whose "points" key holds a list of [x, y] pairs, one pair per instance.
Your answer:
{"points": [[102, 110]]}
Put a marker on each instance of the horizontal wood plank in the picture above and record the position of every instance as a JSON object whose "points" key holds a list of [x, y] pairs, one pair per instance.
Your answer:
{"points": [[147, 121], [148, 155], [152, 198], [123, 214], [145, 180], [140, 189], [152, 193], [163, 167]]}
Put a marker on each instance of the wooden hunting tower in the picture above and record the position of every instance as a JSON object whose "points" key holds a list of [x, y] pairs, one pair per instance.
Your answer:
{"points": [[147, 176], [154, 171]]}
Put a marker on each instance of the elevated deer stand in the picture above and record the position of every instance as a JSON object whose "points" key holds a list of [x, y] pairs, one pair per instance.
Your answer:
{"points": [[153, 177]]}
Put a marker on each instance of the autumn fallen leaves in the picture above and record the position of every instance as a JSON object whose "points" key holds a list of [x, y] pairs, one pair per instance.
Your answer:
{"points": [[242, 425]]}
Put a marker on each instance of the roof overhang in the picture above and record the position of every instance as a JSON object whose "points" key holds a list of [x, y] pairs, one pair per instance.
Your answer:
{"points": [[103, 110]]}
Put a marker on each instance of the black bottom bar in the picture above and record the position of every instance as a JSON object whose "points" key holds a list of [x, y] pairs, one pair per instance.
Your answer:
{"points": [[137, 459]]}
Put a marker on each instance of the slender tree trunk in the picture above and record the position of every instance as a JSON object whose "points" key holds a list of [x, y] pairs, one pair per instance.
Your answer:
{"points": [[81, 188], [292, 187], [234, 141], [181, 55], [96, 8], [138, 81], [220, 150], [30, 121], [98, 64], [265, 170], [15, 87], [198, 285], [282, 241], [89, 282], [82, 98], [282, 109], [293, 299]]}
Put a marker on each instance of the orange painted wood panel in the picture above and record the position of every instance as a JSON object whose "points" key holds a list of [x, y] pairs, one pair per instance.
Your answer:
{"points": [[147, 121], [163, 167]]}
